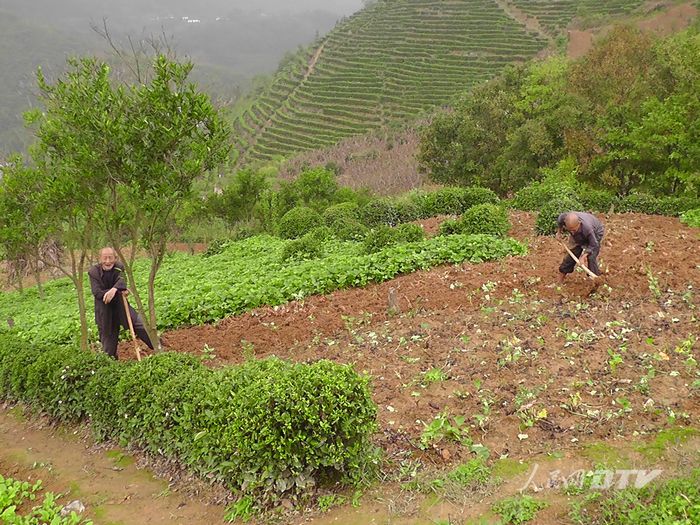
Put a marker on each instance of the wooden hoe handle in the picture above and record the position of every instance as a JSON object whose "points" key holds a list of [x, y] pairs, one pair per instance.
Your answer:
{"points": [[587, 270], [131, 327]]}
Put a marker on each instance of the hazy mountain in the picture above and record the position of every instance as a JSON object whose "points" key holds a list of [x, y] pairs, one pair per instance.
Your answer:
{"points": [[229, 41]]}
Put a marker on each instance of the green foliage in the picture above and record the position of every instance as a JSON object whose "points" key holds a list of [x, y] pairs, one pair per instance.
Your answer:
{"points": [[383, 236], [652, 205], [379, 238], [240, 197], [298, 222], [308, 247], [314, 188], [452, 200], [249, 274], [546, 223], [624, 113], [14, 496], [557, 183], [675, 502], [388, 212], [691, 218], [518, 509], [343, 220], [487, 219], [473, 473], [444, 428], [270, 428], [409, 232]]}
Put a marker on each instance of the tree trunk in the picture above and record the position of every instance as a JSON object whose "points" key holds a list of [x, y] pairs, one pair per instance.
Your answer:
{"points": [[37, 278], [152, 320], [82, 309], [150, 329]]}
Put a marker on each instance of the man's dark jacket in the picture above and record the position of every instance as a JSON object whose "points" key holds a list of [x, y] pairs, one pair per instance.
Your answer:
{"points": [[108, 317]]}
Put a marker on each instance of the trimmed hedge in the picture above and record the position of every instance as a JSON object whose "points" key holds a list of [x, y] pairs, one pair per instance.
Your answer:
{"points": [[546, 223], [297, 222], [453, 200], [270, 428], [652, 205], [388, 212], [383, 236]]}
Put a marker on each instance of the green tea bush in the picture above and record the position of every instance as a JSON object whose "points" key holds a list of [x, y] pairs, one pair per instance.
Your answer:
{"points": [[379, 238], [592, 200], [297, 222], [538, 194], [388, 212], [409, 232], [100, 403], [691, 218], [15, 368], [134, 394], [453, 200], [270, 429], [488, 219], [546, 223], [653, 205], [343, 220], [308, 247]]}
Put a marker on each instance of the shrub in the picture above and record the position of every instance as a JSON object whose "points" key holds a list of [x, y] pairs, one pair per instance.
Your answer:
{"points": [[134, 394], [345, 211], [538, 194], [102, 408], [652, 205], [692, 218], [286, 427], [343, 221], [450, 227], [488, 219], [595, 200], [379, 238], [308, 247], [546, 223], [388, 212], [297, 222], [16, 360], [409, 233], [445, 201], [57, 381], [269, 428], [314, 188]]}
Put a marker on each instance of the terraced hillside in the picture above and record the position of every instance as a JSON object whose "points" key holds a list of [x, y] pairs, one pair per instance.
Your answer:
{"points": [[554, 15], [394, 60]]}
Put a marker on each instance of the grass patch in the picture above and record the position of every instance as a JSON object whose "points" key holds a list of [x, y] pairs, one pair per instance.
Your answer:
{"points": [[604, 454], [507, 468], [656, 449]]}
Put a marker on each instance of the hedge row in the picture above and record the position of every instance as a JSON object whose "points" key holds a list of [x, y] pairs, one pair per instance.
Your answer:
{"points": [[350, 221], [269, 428], [537, 195]]}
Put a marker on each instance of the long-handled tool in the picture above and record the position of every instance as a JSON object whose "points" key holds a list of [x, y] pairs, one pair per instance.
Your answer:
{"points": [[591, 275], [131, 327]]}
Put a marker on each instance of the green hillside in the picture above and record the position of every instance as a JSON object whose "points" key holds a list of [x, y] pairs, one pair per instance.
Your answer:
{"points": [[394, 60]]}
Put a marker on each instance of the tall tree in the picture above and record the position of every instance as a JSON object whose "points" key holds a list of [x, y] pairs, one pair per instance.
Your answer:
{"points": [[133, 151]]}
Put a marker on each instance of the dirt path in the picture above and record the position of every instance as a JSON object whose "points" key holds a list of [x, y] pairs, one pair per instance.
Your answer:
{"points": [[108, 483]]}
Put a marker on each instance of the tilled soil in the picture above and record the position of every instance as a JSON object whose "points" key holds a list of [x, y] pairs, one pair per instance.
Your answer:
{"points": [[532, 366]]}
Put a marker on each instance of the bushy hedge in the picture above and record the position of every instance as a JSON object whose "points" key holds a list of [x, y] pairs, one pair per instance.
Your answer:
{"points": [[453, 200], [297, 222], [310, 246], [388, 212], [268, 428], [546, 223], [383, 236], [652, 205], [487, 219], [343, 220], [538, 194], [692, 218]]}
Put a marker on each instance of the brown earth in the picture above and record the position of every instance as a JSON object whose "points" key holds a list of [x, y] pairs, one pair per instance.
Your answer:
{"points": [[661, 18], [532, 358], [111, 485]]}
